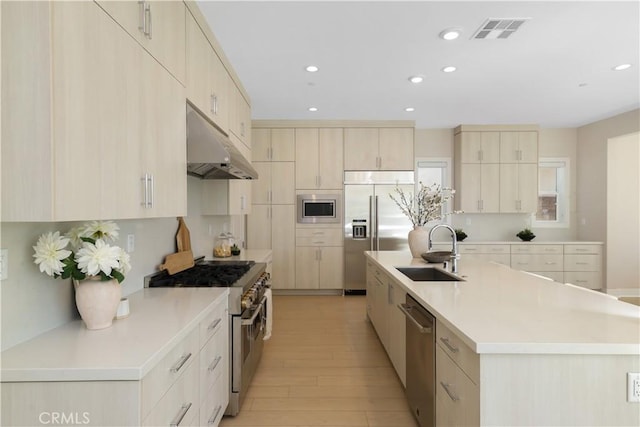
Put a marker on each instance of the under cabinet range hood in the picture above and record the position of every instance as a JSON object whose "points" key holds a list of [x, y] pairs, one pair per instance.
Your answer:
{"points": [[211, 154]]}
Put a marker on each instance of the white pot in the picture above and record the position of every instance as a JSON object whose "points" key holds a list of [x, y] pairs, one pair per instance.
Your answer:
{"points": [[97, 301], [419, 240]]}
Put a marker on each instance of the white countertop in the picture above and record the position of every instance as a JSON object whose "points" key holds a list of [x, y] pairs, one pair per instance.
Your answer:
{"points": [[500, 310], [131, 347], [518, 242]]}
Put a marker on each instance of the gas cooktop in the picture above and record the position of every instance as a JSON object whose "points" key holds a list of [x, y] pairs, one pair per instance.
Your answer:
{"points": [[204, 274]]}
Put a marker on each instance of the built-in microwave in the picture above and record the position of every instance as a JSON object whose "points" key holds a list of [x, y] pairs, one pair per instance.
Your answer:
{"points": [[319, 208]]}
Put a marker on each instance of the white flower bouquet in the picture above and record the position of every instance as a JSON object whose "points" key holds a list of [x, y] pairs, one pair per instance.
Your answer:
{"points": [[90, 254], [428, 204]]}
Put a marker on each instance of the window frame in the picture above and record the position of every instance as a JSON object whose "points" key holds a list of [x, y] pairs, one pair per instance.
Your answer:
{"points": [[564, 198], [447, 178]]}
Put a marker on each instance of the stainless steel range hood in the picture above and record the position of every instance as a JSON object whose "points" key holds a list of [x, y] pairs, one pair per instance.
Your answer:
{"points": [[211, 154]]}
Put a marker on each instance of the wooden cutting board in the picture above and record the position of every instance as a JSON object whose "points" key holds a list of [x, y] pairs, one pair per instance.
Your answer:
{"points": [[183, 259], [183, 238], [180, 261]]}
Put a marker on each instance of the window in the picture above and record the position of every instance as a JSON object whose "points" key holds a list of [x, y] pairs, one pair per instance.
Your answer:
{"points": [[431, 171], [553, 193]]}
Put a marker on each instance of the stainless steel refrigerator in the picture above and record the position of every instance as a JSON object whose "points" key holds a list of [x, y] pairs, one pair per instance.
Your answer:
{"points": [[372, 220]]}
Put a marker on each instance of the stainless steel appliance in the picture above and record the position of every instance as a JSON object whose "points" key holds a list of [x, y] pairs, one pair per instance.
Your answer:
{"points": [[319, 209], [372, 221], [247, 282], [421, 362]]}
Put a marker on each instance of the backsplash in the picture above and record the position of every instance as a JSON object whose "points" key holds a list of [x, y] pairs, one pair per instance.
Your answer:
{"points": [[33, 303]]}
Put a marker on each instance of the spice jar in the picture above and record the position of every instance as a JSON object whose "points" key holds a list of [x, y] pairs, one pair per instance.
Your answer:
{"points": [[222, 246]]}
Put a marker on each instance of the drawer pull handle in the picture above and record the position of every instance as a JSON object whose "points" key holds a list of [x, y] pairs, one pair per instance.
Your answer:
{"points": [[451, 348], [215, 363], [178, 419], [214, 417], [451, 394], [581, 281], [550, 263], [180, 363], [582, 263], [214, 324]]}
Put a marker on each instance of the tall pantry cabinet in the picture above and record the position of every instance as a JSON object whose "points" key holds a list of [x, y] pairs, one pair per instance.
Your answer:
{"points": [[105, 134], [271, 224]]}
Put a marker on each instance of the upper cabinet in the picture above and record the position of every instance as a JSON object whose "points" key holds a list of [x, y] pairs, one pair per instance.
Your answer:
{"points": [[159, 27], [105, 134], [239, 116], [496, 168], [319, 158], [273, 145], [208, 82], [378, 149]]}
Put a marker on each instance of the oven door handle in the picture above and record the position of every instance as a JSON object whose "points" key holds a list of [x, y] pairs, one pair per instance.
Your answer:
{"points": [[249, 321]]}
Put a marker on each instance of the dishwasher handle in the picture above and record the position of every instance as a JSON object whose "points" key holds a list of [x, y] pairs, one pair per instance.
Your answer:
{"points": [[406, 309]]}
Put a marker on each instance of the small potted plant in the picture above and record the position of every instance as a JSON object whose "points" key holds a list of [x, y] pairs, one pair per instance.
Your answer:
{"points": [[526, 235], [235, 250], [460, 235]]}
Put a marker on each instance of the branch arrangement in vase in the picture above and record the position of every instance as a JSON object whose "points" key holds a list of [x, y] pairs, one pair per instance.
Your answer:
{"points": [[426, 206]]}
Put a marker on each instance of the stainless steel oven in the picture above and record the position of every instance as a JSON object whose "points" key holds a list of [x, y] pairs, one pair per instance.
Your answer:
{"points": [[319, 209], [248, 331]]}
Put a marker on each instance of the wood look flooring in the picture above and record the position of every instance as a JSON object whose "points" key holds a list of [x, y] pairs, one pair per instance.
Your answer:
{"points": [[323, 366]]}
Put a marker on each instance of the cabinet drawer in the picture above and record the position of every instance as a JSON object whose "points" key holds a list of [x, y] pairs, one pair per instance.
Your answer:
{"points": [[536, 249], [214, 361], [216, 322], [457, 397], [583, 263], [180, 402], [214, 403], [459, 352], [586, 279], [536, 262], [583, 249], [484, 249], [319, 237], [168, 370]]}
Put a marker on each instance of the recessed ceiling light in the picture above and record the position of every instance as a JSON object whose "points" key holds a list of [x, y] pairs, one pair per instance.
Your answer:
{"points": [[582, 84], [312, 68], [313, 109], [449, 69], [621, 67], [409, 109], [416, 79], [450, 33]]}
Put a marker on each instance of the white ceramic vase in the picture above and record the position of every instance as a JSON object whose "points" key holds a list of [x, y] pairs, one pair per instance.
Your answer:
{"points": [[418, 240], [97, 301]]}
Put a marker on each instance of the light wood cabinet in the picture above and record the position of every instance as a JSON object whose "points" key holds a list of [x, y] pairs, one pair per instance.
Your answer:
{"points": [[158, 26], [275, 183], [273, 227], [457, 397], [277, 145], [319, 158], [208, 82], [239, 116], [478, 147], [319, 258], [126, 155], [378, 149], [519, 147], [518, 187], [477, 187]]}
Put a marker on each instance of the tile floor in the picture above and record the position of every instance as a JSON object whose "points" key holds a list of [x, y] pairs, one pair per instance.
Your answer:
{"points": [[323, 366]]}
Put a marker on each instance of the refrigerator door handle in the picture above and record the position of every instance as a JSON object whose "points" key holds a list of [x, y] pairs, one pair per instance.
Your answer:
{"points": [[371, 226], [377, 234]]}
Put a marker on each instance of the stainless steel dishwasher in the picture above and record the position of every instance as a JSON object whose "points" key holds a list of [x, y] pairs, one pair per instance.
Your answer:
{"points": [[421, 362]]}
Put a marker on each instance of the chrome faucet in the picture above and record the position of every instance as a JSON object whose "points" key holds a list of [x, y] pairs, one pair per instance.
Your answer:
{"points": [[454, 250]]}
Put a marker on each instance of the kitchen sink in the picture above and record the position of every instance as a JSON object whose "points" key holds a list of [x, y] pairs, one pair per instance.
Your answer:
{"points": [[427, 274]]}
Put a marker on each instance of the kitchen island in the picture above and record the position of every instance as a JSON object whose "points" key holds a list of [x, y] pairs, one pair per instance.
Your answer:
{"points": [[518, 349]]}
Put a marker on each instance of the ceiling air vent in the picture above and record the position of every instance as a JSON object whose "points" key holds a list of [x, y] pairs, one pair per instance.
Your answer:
{"points": [[499, 28]]}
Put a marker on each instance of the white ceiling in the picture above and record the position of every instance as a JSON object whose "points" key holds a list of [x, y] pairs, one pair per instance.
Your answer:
{"points": [[555, 71]]}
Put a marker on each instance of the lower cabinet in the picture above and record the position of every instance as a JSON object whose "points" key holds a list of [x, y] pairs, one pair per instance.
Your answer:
{"points": [[383, 298], [319, 258]]}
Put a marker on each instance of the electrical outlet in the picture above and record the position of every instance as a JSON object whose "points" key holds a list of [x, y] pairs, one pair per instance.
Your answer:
{"points": [[4, 264], [131, 243], [468, 221], [633, 386]]}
